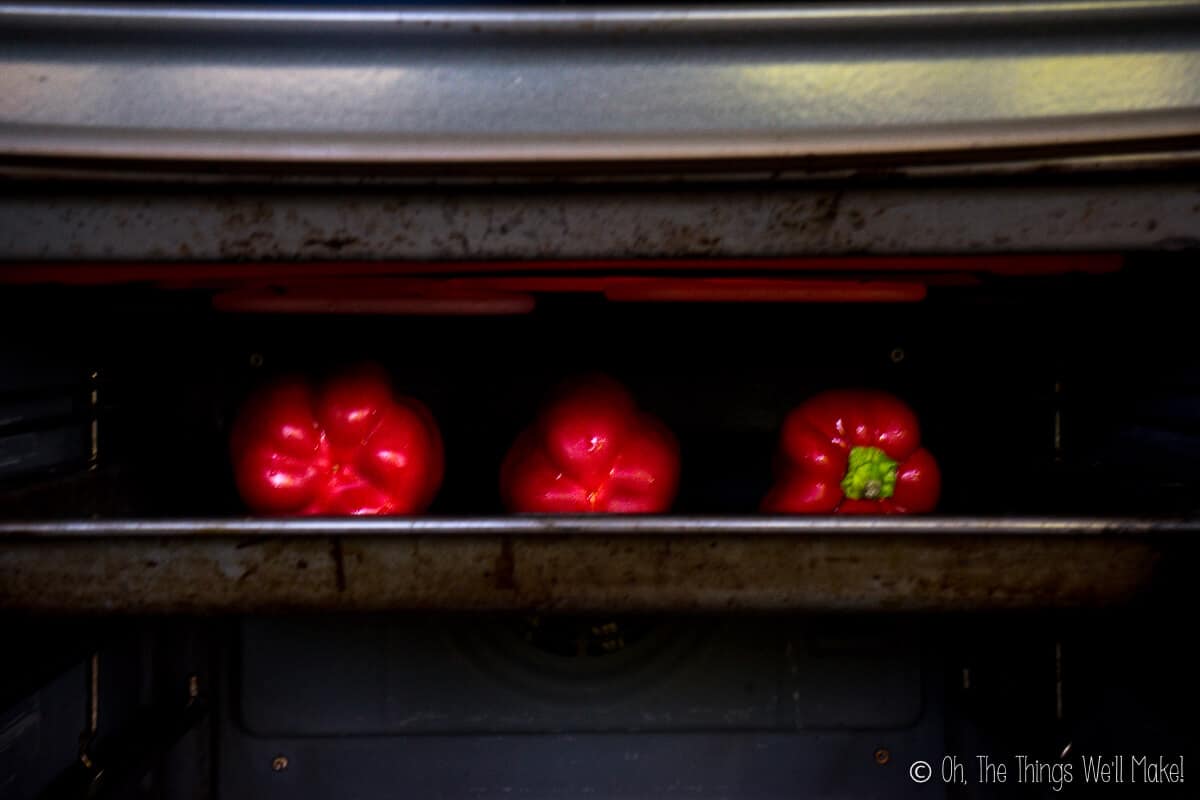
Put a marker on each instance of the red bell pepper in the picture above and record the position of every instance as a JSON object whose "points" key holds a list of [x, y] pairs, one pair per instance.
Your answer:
{"points": [[592, 450], [853, 452], [350, 446]]}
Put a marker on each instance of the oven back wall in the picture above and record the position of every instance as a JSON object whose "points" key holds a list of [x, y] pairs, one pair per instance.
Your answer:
{"points": [[622, 707]]}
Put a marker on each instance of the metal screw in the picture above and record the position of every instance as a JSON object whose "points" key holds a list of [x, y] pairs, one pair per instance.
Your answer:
{"points": [[882, 756], [279, 763], [256, 360], [897, 355]]}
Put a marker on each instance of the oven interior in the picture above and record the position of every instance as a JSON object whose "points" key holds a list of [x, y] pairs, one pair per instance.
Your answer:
{"points": [[1042, 395], [1050, 394]]}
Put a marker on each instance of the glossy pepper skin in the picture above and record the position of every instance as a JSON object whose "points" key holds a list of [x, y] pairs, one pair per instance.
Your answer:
{"points": [[348, 446], [592, 450], [853, 452]]}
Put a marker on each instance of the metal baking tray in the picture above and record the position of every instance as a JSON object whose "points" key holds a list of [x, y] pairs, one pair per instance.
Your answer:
{"points": [[222, 84], [580, 564]]}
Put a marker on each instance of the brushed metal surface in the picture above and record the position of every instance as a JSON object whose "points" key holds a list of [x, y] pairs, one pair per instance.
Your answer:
{"points": [[537, 86]]}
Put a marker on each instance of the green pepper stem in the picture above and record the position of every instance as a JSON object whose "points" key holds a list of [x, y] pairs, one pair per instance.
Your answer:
{"points": [[870, 474]]}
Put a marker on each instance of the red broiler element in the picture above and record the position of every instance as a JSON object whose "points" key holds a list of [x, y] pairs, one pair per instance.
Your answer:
{"points": [[592, 450], [853, 452], [349, 446]]}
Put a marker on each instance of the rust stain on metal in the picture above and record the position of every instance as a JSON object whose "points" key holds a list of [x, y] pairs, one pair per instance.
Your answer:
{"points": [[250, 570], [252, 541], [334, 243], [339, 564], [505, 568]]}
